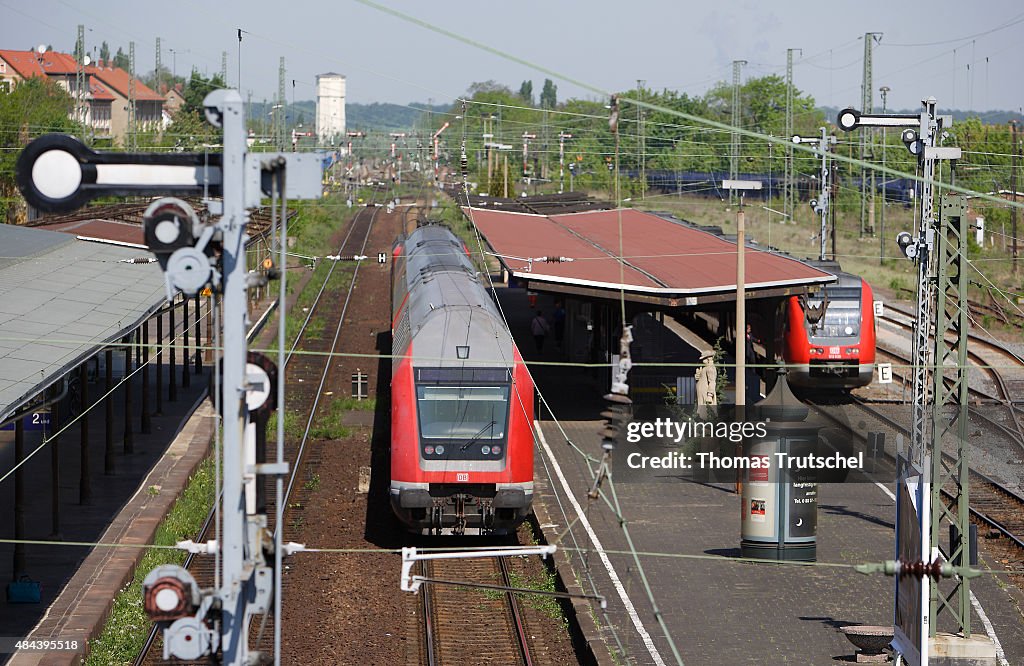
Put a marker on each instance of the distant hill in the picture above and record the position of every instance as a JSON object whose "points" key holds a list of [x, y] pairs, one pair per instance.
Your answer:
{"points": [[379, 116], [374, 116], [987, 117]]}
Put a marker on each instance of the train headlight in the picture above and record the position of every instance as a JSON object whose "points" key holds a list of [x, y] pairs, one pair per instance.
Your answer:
{"points": [[496, 450], [848, 330], [429, 450], [485, 449], [439, 450]]}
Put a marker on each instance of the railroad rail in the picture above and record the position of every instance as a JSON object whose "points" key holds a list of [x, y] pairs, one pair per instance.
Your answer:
{"points": [[992, 503], [464, 625], [307, 375], [995, 371], [992, 309]]}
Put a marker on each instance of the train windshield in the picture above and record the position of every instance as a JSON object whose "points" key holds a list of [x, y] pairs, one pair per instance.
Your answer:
{"points": [[476, 413], [842, 315]]}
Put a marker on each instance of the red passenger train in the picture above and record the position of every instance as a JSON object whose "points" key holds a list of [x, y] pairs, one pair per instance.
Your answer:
{"points": [[461, 396], [829, 340]]}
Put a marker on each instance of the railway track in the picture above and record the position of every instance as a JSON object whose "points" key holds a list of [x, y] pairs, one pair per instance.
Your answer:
{"points": [[305, 375], [991, 503], [464, 625], [979, 310], [994, 362]]}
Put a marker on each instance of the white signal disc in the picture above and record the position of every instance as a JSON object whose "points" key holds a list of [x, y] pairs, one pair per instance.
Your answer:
{"points": [[57, 174]]}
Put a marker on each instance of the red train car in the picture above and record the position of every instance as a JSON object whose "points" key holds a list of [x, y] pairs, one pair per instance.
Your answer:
{"points": [[462, 436], [833, 348]]}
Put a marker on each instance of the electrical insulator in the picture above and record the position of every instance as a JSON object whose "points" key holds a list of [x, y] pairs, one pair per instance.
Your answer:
{"points": [[616, 412]]}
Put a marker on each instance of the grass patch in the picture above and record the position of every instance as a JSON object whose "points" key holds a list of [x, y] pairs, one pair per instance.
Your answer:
{"points": [[351, 404], [127, 627], [330, 425], [293, 428], [315, 329], [543, 581]]}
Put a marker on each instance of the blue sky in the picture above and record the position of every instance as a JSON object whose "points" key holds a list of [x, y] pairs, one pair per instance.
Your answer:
{"points": [[964, 57]]}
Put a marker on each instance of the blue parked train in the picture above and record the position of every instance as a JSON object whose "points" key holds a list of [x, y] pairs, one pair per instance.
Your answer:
{"points": [[709, 184]]}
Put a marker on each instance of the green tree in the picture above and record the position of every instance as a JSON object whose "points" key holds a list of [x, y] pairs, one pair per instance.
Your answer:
{"points": [[762, 109], [197, 88], [169, 80], [121, 59], [489, 86], [104, 52], [189, 129], [36, 106], [549, 95], [526, 92]]}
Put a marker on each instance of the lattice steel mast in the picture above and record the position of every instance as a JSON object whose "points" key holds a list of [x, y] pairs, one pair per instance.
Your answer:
{"points": [[133, 121], [788, 185], [867, 105]]}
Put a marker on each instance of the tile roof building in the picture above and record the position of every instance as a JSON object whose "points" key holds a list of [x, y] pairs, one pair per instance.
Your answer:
{"points": [[105, 101]]}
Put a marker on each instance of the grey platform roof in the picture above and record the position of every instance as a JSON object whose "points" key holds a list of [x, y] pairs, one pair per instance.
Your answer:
{"points": [[60, 299]]}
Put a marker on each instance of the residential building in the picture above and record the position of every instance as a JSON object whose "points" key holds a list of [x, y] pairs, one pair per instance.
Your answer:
{"points": [[148, 103], [102, 105], [173, 100]]}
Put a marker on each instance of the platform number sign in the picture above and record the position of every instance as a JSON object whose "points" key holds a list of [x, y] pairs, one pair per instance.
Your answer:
{"points": [[885, 373], [33, 421], [382, 258]]}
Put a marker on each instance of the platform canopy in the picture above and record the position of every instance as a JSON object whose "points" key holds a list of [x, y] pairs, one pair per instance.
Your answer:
{"points": [[664, 261], [61, 298]]}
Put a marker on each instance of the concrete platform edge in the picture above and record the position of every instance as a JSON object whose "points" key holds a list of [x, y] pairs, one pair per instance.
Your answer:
{"points": [[81, 609], [597, 649]]}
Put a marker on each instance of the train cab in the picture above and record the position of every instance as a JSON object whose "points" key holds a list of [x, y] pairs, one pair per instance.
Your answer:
{"points": [[830, 335]]}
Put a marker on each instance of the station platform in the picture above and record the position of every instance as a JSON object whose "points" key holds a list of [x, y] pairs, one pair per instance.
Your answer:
{"points": [[716, 608], [79, 582]]}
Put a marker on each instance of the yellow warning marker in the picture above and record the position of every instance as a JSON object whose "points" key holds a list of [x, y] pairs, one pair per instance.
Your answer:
{"points": [[268, 263], [207, 292]]}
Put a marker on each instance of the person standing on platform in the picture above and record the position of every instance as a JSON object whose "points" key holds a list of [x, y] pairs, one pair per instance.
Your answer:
{"points": [[539, 327], [559, 323], [753, 378]]}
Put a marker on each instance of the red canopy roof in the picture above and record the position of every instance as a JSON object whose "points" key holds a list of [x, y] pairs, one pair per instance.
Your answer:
{"points": [[661, 256]]}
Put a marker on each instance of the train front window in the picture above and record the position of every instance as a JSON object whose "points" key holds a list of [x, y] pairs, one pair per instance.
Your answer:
{"points": [[450, 415], [841, 320]]}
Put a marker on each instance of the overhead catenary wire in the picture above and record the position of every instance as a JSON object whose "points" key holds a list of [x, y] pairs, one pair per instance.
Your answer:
{"points": [[654, 107], [328, 550]]}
